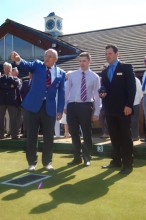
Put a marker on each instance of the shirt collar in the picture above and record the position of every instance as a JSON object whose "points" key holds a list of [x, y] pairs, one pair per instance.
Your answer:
{"points": [[86, 71], [115, 63]]}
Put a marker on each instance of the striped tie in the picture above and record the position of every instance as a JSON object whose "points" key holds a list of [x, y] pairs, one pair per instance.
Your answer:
{"points": [[83, 88], [48, 77]]}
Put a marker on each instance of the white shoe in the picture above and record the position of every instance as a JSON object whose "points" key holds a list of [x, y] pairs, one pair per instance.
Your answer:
{"points": [[49, 167], [87, 163], [31, 168]]}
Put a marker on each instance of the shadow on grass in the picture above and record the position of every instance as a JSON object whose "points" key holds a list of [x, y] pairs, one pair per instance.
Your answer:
{"points": [[81, 192], [59, 176], [10, 149]]}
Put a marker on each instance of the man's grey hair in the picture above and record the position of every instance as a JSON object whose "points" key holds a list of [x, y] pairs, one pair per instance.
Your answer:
{"points": [[7, 64], [53, 51]]}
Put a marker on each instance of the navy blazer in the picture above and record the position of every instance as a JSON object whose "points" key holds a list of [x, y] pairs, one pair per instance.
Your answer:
{"points": [[35, 97], [26, 84], [121, 91], [9, 90]]}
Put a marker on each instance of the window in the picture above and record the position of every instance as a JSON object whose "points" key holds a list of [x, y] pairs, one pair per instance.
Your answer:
{"points": [[38, 53], [24, 48], [2, 49], [8, 46]]}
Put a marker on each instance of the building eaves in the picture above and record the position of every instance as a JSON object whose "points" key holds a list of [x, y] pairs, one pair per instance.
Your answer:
{"points": [[43, 35]]}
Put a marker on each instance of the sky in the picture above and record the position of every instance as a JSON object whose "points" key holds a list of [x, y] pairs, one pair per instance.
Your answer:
{"points": [[78, 15]]}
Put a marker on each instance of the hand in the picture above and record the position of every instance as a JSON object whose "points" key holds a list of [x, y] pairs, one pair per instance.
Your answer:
{"points": [[127, 111], [102, 95], [95, 118], [15, 56], [58, 116]]}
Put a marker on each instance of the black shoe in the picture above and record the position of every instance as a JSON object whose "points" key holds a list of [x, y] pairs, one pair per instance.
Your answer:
{"points": [[7, 135], [74, 162], [126, 170], [87, 160], [23, 136]]}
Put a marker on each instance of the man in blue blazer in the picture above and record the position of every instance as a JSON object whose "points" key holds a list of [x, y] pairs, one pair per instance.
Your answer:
{"points": [[47, 87], [118, 81]]}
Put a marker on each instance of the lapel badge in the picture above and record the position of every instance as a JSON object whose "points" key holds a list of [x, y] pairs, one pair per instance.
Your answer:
{"points": [[119, 74]]}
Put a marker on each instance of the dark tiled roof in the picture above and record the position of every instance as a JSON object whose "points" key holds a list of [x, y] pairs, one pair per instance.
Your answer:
{"points": [[23, 31], [131, 41]]}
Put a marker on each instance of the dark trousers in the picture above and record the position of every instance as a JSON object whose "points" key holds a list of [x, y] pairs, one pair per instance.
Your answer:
{"points": [[79, 114], [120, 134], [135, 121], [102, 118], [12, 110], [48, 123], [24, 121]]}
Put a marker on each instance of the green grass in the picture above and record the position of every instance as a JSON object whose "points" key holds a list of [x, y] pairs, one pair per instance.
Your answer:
{"points": [[84, 193]]}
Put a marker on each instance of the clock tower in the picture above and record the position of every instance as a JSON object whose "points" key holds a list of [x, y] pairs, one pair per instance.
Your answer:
{"points": [[53, 24]]}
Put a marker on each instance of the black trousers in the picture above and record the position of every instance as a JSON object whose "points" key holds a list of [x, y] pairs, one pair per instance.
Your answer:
{"points": [[48, 123], [121, 139], [79, 114]]}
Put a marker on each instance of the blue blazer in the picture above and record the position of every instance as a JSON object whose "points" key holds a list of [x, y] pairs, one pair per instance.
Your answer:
{"points": [[54, 94]]}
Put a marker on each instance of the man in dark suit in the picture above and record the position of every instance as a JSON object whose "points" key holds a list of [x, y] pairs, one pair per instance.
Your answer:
{"points": [[119, 84], [9, 100], [15, 74], [40, 102]]}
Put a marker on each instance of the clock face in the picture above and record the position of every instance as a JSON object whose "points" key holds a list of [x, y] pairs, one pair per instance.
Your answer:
{"points": [[59, 24], [50, 24]]}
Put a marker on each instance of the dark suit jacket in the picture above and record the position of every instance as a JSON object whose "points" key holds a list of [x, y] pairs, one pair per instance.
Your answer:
{"points": [[25, 88], [8, 90], [121, 91]]}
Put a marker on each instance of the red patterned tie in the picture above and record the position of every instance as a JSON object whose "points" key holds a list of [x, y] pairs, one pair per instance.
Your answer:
{"points": [[48, 78], [83, 88]]}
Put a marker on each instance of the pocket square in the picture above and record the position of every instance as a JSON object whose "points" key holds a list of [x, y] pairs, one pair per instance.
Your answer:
{"points": [[119, 74]]}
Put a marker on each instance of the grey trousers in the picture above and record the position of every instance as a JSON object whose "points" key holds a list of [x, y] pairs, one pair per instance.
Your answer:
{"points": [[12, 110], [48, 123], [135, 121]]}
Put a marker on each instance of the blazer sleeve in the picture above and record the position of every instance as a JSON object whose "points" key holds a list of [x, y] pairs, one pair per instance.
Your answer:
{"points": [[130, 84], [61, 94]]}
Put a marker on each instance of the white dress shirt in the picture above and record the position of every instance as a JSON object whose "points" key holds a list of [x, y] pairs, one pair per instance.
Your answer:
{"points": [[139, 93], [73, 89]]}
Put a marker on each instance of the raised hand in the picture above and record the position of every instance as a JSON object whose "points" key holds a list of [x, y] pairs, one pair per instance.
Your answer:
{"points": [[15, 56]]}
